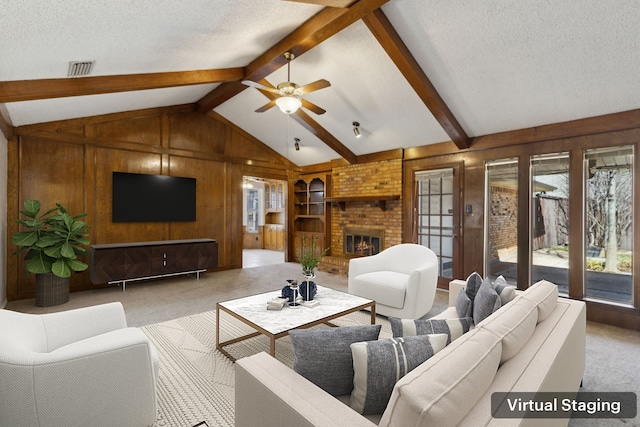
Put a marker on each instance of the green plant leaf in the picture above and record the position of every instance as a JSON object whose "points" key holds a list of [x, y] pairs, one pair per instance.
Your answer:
{"points": [[60, 268], [48, 240], [39, 264], [53, 251], [67, 251], [25, 238], [31, 208], [76, 265]]}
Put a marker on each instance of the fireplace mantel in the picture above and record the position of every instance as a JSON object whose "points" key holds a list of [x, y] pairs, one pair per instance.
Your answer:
{"points": [[381, 201]]}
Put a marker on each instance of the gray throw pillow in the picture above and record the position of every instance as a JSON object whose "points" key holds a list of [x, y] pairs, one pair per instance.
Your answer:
{"points": [[474, 281], [323, 356], [464, 301], [463, 305], [486, 302], [506, 291], [454, 328], [377, 367]]}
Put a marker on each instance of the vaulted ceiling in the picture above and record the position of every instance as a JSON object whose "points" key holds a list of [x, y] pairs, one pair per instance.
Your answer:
{"points": [[411, 72]]}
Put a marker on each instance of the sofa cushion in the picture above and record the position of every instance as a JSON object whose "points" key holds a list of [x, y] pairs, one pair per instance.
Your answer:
{"points": [[507, 292], [442, 390], [486, 302], [514, 325], [378, 365], [545, 295], [323, 356], [385, 287], [454, 328]]}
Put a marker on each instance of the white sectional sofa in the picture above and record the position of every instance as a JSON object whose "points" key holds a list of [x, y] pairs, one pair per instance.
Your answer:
{"points": [[534, 343]]}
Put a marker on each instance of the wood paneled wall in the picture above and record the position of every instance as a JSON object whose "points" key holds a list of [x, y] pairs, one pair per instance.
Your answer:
{"points": [[71, 162]]}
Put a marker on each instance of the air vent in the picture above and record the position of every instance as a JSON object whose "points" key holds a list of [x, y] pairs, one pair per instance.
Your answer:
{"points": [[80, 68]]}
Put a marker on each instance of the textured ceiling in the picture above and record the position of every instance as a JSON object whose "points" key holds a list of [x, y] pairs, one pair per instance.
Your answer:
{"points": [[498, 65]]}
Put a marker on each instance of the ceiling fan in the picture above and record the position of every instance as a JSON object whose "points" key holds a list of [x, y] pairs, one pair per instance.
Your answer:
{"points": [[290, 94]]}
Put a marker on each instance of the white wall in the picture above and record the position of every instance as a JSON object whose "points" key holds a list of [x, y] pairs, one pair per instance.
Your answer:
{"points": [[3, 220]]}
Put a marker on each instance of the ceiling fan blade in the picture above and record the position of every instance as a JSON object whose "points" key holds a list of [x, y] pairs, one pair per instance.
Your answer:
{"points": [[260, 86], [317, 85], [312, 107], [266, 106]]}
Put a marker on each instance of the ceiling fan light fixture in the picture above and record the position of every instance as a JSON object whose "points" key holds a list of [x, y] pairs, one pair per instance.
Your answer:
{"points": [[288, 104]]}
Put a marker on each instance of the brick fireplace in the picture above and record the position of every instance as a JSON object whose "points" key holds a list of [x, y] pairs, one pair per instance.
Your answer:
{"points": [[361, 227]]}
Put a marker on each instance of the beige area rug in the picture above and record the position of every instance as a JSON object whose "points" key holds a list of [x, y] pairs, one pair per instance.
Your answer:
{"points": [[196, 382]]}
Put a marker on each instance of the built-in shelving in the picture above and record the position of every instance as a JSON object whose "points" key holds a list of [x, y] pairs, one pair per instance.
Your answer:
{"points": [[310, 213]]}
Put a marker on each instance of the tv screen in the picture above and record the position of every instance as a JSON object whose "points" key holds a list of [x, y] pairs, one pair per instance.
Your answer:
{"points": [[153, 198]]}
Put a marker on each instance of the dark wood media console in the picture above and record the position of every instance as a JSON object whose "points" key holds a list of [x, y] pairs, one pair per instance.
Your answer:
{"points": [[119, 263]]}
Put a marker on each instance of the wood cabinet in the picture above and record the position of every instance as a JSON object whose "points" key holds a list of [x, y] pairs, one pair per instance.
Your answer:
{"points": [[311, 216], [274, 196], [274, 237], [123, 262]]}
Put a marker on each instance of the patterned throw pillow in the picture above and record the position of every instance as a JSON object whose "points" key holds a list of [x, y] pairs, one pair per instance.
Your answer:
{"points": [[323, 356], [464, 302], [454, 328], [486, 302], [506, 291], [378, 365]]}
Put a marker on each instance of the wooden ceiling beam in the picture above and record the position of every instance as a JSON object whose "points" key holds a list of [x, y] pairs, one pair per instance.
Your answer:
{"points": [[314, 127], [390, 40], [326, 23], [328, 3], [28, 90], [5, 122]]}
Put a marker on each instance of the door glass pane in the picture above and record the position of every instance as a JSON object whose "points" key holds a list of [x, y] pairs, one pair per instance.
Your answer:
{"points": [[609, 223], [550, 219], [252, 211], [501, 219], [435, 216]]}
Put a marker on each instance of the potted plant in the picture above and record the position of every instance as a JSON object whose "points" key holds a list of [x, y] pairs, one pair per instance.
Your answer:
{"points": [[308, 258], [52, 241]]}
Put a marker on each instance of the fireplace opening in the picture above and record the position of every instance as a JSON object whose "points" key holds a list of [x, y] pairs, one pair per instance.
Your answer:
{"points": [[363, 242]]}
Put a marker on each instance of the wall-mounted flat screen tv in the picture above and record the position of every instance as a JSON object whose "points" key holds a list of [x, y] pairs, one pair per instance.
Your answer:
{"points": [[153, 198]]}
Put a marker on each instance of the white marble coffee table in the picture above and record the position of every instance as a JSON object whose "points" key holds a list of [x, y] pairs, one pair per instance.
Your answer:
{"points": [[252, 311]]}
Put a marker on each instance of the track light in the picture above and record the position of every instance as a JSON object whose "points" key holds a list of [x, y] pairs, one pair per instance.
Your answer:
{"points": [[297, 143], [356, 130]]}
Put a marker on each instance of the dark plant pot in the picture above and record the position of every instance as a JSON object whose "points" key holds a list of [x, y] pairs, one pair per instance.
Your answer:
{"points": [[51, 290]]}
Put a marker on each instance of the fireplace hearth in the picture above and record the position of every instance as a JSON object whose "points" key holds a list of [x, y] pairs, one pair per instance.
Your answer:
{"points": [[363, 242]]}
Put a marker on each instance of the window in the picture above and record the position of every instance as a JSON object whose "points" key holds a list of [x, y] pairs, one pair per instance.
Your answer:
{"points": [[609, 223], [501, 219], [550, 219]]}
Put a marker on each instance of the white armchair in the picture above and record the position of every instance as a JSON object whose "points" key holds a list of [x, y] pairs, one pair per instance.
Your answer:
{"points": [[401, 279], [80, 367]]}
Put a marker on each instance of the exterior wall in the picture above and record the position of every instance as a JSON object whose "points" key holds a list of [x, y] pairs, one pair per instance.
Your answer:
{"points": [[503, 222]]}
